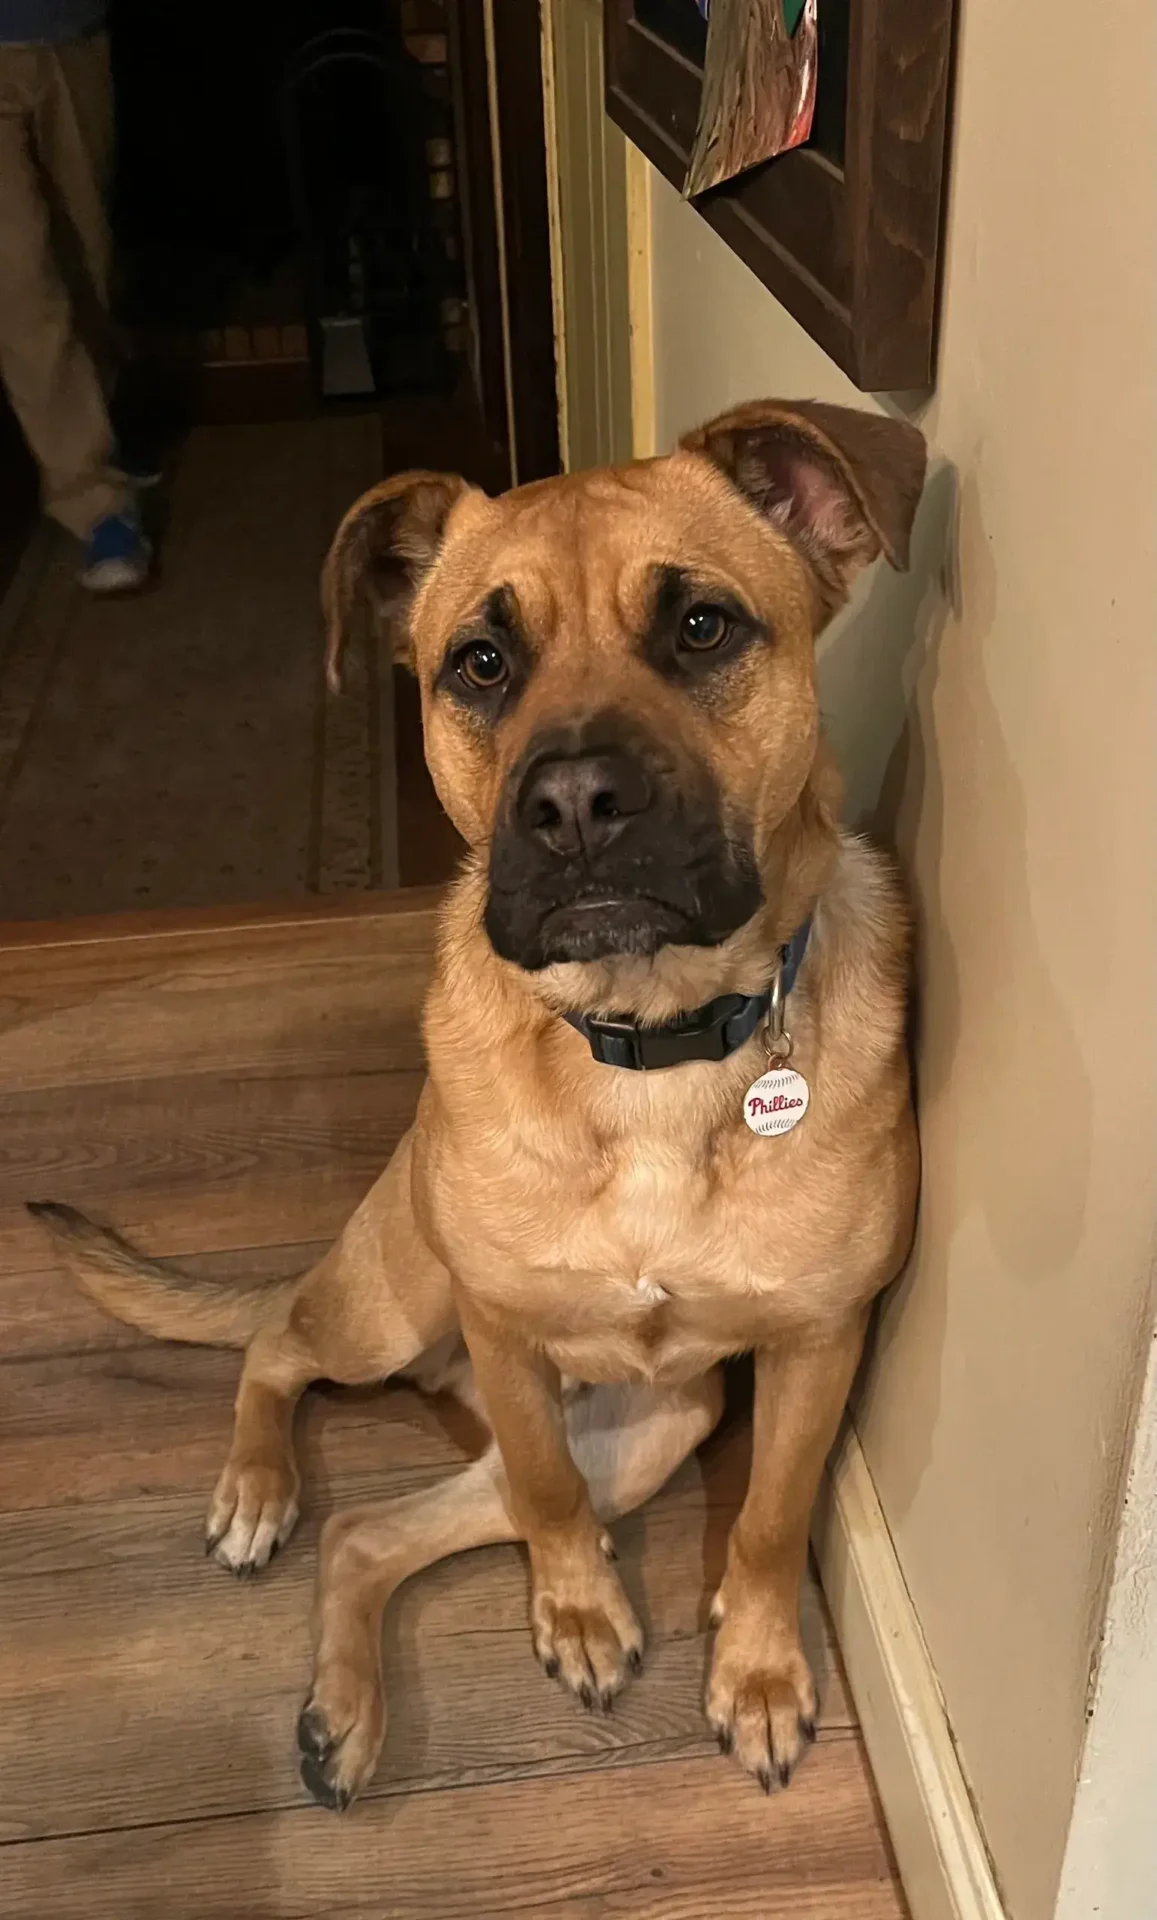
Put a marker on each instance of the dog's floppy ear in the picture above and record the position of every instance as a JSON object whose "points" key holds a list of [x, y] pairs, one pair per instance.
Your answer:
{"points": [[381, 550], [844, 485]]}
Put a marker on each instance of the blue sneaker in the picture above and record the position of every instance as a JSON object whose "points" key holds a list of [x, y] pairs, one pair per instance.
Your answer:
{"points": [[117, 557]]}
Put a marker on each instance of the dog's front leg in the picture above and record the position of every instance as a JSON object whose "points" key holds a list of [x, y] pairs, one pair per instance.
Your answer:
{"points": [[761, 1699], [584, 1629]]}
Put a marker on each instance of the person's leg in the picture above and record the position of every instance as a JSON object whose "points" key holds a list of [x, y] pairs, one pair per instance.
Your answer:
{"points": [[74, 138], [50, 379]]}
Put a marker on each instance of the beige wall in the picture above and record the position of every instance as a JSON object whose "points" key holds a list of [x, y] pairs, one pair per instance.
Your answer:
{"points": [[998, 705]]}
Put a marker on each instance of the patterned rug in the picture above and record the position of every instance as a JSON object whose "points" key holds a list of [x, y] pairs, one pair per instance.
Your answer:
{"points": [[178, 749]]}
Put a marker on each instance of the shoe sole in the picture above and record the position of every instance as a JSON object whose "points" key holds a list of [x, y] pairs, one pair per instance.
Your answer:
{"points": [[114, 583]]}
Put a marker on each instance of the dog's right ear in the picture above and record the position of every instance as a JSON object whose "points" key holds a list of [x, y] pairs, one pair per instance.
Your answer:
{"points": [[382, 549]]}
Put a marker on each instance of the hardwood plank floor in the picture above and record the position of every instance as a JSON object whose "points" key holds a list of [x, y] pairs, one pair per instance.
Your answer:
{"points": [[226, 1093]]}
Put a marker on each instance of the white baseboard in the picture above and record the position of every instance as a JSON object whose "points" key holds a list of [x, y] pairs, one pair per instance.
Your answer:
{"points": [[935, 1835]]}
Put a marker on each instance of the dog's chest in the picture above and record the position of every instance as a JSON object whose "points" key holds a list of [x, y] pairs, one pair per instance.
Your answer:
{"points": [[649, 1256], [655, 1250], [644, 1222]]}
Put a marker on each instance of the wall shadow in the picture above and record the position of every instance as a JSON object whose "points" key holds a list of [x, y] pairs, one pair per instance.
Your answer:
{"points": [[908, 705]]}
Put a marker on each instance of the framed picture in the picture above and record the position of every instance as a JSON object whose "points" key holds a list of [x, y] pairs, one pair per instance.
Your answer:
{"points": [[844, 230]]}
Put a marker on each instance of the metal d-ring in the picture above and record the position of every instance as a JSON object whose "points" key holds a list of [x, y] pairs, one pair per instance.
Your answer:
{"points": [[776, 1038]]}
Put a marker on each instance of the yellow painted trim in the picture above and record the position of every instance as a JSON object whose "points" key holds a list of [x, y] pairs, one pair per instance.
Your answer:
{"points": [[639, 303]]}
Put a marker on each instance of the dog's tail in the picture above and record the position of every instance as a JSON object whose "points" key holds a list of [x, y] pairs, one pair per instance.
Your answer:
{"points": [[163, 1300]]}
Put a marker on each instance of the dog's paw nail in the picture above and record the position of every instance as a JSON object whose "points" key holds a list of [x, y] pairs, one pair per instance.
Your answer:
{"points": [[783, 1772], [336, 1799], [607, 1700], [313, 1735], [635, 1660], [725, 1738], [764, 1778], [808, 1729], [550, 1666], [587, 1696]]}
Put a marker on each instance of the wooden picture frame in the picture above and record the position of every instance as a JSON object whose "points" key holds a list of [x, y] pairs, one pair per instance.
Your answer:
{"points": [[848, 239]]}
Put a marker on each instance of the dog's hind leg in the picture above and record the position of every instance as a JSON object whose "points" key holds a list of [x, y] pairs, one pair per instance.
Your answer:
{"points": [[375, 1303], [626, 1442], [370, 1308]]}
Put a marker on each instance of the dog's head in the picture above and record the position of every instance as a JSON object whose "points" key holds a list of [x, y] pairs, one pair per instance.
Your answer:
{"points": [[617, 667]]}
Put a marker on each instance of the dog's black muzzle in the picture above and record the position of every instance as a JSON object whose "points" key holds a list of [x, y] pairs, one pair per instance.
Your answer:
{"points": [[604, 847]]}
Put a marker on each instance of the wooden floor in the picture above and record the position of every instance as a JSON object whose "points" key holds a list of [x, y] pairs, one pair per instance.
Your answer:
{"points": [[227, 1093]]}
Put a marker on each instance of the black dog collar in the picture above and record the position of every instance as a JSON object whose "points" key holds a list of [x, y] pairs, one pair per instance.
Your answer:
{"points": [[710, 1033]]}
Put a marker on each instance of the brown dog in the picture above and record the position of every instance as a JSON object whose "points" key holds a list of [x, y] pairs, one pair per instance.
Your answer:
{"points": [[621, 719]]}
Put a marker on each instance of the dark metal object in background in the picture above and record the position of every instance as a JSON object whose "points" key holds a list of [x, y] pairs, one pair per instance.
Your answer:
{"points": [[846, 230], [355, 139]]}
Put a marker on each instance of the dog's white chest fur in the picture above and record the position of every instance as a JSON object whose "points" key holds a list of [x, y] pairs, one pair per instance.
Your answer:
{"points": [[650, 1292]]}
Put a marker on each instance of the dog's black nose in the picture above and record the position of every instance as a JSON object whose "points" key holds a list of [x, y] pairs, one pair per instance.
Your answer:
{"points": [[580, 804]]}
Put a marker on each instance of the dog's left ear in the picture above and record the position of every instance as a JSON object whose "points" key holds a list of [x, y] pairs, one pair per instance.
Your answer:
{"points": [[386, 543], [842, 484]]}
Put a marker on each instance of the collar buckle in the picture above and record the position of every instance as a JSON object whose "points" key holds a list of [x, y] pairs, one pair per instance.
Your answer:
{"points": [[702, 1035]]}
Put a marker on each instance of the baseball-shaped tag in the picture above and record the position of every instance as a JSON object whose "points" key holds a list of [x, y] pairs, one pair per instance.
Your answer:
{"points": [[776, 1102]]}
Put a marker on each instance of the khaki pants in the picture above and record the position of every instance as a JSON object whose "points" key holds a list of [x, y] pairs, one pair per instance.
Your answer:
{"points": [[55, 145]]}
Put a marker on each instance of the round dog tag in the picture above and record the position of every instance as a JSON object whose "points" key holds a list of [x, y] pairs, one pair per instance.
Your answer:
{"points": [[776, 1102]]}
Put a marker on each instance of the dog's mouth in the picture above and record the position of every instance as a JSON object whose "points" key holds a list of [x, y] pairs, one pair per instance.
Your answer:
{"points": [[600, 926], [604, 921]]}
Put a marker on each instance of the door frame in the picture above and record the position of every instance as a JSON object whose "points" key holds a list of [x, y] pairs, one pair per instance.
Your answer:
{"points": [[600, 186], [500, 129]]}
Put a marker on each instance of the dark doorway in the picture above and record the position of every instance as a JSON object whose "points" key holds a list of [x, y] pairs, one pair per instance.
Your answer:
{"points": [[308, 209], [286, 190], [285, 168]]}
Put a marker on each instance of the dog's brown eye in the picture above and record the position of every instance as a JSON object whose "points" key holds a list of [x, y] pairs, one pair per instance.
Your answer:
{"points": [[482, 666], [703, 628]]}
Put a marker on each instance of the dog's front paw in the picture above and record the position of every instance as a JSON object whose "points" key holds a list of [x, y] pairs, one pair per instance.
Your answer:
{"points": [[340, 1733], [584, 1627], [761, 1698], [253, 1512]]}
